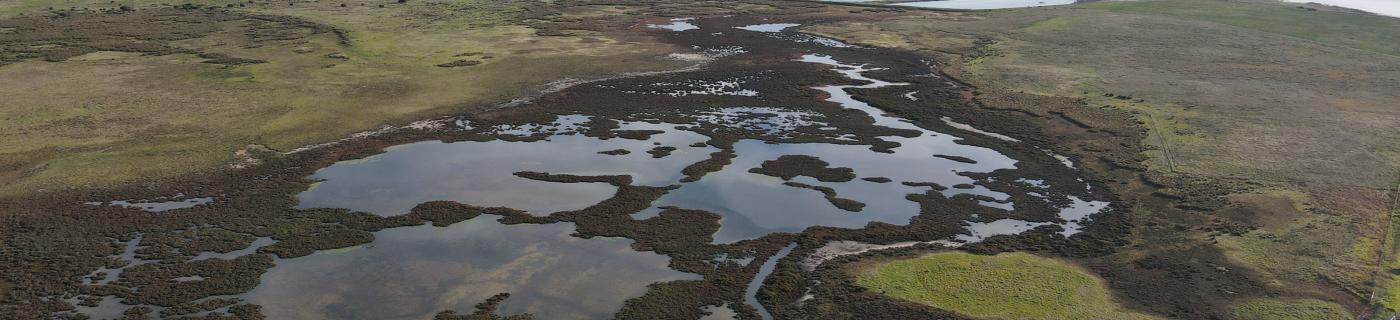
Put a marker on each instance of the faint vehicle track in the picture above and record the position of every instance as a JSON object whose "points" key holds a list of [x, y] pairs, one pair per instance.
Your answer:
{"points": [[1388, 247], [1162, 140]]}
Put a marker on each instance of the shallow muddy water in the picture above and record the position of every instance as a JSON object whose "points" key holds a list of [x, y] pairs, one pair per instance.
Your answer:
{"points": [[769, 27], [678, 24], [111, 274], [253, 247], [155, 205], [720, 312], [110, 307], [754, 205], [751, 292], [415, 272], [751, 205], [1076, 213], [482, 173]]}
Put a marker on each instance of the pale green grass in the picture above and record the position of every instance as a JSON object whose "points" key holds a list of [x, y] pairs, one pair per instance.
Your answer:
{"points": [[1005, 286], [1239, 89], [1289, 309], [109, 118], [1361, 31], [1388, 286], [1299, 242]]}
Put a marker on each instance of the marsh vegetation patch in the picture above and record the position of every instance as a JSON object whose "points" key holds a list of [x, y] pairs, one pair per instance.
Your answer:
{"points": [[1009, 285], [791, 166]]}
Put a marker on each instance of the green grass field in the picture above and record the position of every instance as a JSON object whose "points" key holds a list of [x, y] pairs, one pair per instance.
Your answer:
{"points": [[1298, 100], [1304, 237], [1373, 33], [1289, 309], [1238, 89], [1005, 286], [108, 117]]}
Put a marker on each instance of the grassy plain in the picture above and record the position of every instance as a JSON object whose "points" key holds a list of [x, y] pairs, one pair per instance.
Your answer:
{"points": [[1005, 286], [112, 117], [1368, 32], [1242, 92], [1296, 100], [1333, 236], [1297, 309]]}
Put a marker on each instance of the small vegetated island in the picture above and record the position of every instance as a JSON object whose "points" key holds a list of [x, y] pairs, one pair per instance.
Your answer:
{"points": [[695, 159], [1007, 285]]}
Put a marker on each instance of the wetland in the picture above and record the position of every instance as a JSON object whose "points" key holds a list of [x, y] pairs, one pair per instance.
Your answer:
{"points": [[749, 167], [569, 206], [582, 184], [764, 162]]}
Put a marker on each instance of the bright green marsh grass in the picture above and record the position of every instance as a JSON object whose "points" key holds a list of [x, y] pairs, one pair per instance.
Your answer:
{"points": [[1004, 286]]}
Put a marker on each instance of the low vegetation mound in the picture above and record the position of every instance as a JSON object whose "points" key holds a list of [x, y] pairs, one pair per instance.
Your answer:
{"points": [[1009, 285], [791, 166]]}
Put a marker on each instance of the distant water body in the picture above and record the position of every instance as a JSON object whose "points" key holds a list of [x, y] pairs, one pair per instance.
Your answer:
{"points": [[1383, 7], [974, 4]]}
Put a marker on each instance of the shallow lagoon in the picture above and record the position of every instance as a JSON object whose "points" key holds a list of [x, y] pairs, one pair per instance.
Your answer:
{"points": [[751, 205], [754, 205], [482, 173], [553, 275], [416, 272]]}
